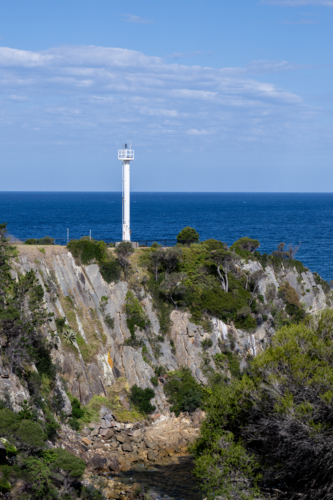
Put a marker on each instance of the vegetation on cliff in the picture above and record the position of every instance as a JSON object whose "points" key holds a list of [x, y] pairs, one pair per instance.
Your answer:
{"points": [[26, 343], [208, 279], [271, 430]]}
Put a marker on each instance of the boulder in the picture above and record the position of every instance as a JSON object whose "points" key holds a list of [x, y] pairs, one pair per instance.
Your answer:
{"points": [[85, 432], [97, 445], [126, 465], [114, 465], [151, 455], [123, 438], [108, 434], [103, 411], [95, 432], [86, 441], [99, 463], [107, 422], [127, 447], [150, 444]]}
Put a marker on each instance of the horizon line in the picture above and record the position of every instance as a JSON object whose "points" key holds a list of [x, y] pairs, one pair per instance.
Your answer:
{"points": [[171, 192]]}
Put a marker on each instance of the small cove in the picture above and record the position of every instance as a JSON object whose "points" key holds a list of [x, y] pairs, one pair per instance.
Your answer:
{"points": [[172, 482]]}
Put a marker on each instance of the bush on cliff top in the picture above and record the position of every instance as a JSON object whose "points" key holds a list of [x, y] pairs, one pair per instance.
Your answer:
{"points": [[88, 251]]}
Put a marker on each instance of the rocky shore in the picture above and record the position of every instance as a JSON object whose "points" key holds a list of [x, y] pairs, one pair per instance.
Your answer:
{"points": [[108, 447]]}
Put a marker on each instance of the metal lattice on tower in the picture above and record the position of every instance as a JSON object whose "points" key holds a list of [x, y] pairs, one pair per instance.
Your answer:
{"points": [[126, 156]]}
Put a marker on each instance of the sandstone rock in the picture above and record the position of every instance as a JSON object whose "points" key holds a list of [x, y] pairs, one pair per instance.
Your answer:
{"points": [[103, 411], [136, 436], [161, 461], [107, 422], [126, 465], [86, 441], [99, 463], [108, 434], [97, 445], [150, 444], [85, 432], [120, 438], [111, 493], [127, 447], [151, 455], [114, 465]]}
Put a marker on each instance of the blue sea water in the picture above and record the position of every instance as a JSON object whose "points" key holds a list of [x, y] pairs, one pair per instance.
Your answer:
{"points": [[297, 218]]}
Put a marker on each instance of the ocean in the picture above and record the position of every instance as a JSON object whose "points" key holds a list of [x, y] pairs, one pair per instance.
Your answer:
{"points": [[304, 219]]}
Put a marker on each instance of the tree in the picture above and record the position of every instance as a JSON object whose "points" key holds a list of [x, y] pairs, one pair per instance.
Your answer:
{"points": [[187, 236], [173, 287], [156, 257], [123, 251], [246, 243], [170, 259], [223, 259]]}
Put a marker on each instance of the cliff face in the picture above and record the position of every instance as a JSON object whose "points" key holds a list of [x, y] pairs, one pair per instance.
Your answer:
{"points": [[99, 358]]}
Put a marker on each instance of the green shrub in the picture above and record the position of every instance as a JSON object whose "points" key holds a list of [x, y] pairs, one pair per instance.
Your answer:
{"points": [[109, 321], [10, 313], [8, 422], [141, 399], [39, 479], [183, 391], [206, 343], [60, 324], [135, 317], [74, 423], [87, 251], [154, 381], [245, 246], [51, 426], [187, 236], [230, 360], [11, 450], [47, 240], [110, 270], [31, 434], [59, 458], [77, 411], [248, 323]]}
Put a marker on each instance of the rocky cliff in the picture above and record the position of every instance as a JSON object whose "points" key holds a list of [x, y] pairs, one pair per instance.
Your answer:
{"points": [[100, 358]]}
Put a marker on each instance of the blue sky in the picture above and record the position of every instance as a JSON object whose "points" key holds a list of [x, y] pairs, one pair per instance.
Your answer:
{"points": [[216, 95]]}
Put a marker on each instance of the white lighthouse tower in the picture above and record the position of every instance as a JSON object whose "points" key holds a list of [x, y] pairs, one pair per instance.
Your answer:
{"points": [[126, 156]]}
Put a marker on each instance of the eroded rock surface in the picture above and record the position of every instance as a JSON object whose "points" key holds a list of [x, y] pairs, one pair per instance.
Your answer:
{"points": [[100, 356]]}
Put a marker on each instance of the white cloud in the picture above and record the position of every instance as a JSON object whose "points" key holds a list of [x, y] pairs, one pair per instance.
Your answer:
{"points": [[130, 18], [194, 131], [17, 98], [186, 55], [78, 93], [299, 3], [265, 67]]}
